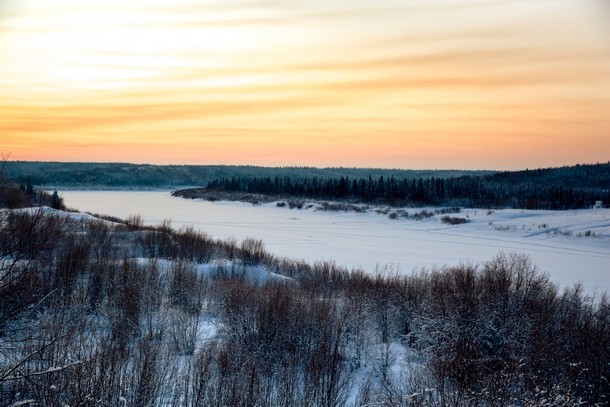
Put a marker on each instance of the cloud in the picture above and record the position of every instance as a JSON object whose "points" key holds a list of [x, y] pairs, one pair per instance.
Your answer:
{"points": [[388, 78]]}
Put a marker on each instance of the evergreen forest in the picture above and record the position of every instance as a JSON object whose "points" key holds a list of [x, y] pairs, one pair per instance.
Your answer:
{"points": [[559, 188]]}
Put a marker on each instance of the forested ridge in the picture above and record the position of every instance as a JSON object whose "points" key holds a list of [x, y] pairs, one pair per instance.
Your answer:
{"points": [[555, 188], [124, 175]]}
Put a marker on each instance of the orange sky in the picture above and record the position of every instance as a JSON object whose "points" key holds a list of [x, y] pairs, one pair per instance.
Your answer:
{"points": [[495, 84]]}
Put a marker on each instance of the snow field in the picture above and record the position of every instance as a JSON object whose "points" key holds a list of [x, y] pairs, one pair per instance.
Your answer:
{"points": [[571, 246]]}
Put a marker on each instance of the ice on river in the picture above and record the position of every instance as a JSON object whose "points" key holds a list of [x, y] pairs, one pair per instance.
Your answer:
{"points": [[571, 246]]}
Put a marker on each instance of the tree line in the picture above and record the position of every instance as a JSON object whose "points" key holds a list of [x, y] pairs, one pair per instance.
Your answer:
{"points": [[121, 175], [526, 190]]}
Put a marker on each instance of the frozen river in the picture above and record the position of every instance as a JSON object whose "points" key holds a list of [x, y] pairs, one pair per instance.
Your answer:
{"points": [[569, 245]]}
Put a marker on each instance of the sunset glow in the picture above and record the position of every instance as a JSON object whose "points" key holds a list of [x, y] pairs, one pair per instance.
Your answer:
{"points": [[494, 84]]}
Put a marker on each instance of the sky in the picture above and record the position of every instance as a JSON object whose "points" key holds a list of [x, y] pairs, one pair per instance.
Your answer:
{"points": [[469, 84]]}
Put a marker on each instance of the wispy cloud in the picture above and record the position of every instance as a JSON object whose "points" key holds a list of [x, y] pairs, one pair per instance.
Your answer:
{"points": [[292, 78]]}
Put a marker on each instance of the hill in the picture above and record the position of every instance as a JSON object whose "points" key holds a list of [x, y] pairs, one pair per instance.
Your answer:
{"points": [[122, 175]]}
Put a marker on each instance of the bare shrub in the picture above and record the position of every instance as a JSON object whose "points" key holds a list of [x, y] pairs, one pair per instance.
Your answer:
{"points": [[12, 197], [135, 222], [343, 206], [228, 248], [72, 262], [125, 318], [454, 220], [423, 214], [295, 203], [184, 285], [194, 245], [158, 243], [27, 240], [252, 251]]}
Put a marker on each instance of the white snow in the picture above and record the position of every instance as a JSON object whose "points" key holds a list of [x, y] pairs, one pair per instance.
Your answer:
{"points": [[257, 274], [48, 211], [571, 246]]}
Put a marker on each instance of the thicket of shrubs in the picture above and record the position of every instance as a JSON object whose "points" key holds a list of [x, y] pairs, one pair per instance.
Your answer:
{"points": [[13, 196], [100, 313]]}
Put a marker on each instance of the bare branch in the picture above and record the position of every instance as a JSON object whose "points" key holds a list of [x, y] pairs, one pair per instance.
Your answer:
{"points": [[53, 369]]}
